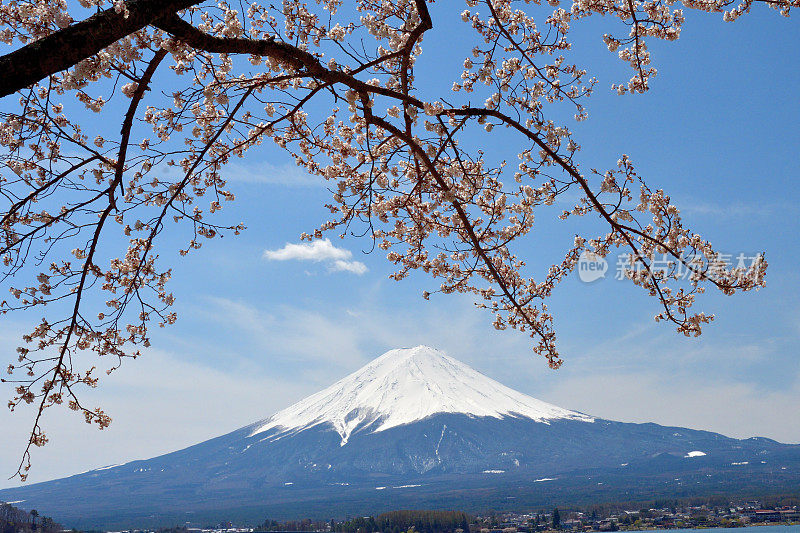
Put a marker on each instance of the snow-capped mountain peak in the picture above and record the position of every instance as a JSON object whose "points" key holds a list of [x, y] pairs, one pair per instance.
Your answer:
{"points": [[403, 386]]}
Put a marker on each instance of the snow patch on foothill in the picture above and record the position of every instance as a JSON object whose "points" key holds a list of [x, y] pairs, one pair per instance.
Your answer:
{"points": [[695, 453]]}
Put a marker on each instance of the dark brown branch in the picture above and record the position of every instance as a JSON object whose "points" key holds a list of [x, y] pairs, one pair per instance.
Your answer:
{"points": [[128, 122], [65, 48]]}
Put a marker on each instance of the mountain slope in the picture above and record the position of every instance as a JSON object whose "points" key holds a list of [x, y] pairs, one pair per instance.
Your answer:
{"points": [[414, 428]]}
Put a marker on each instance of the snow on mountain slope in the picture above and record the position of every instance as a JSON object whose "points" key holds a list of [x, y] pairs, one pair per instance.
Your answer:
{"points": [[406, 385]]}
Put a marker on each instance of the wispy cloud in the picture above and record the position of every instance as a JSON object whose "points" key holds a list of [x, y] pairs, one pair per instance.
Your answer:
{"points": [[319, 251], [356, 267], [638, 376], [186, 401], [257, 173], [732, 408], [288, 175], [734, 209]]}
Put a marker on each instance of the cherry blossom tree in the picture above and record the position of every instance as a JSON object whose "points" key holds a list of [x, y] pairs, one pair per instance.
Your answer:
{"points": [[184, 86]]}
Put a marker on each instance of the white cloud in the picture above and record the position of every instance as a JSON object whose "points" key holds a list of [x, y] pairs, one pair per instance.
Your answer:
{"points": [[319, 251]]}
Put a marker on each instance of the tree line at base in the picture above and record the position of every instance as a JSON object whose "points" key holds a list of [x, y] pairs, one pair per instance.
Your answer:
{"points": [[15, 520]]}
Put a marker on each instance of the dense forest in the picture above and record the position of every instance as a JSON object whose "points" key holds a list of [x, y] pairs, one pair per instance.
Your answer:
{"points": [[14, 520], [391, 522], [401, 521]]}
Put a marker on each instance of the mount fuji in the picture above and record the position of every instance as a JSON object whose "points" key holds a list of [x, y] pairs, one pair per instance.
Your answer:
{"points": [[406, 386], [414, 428]]}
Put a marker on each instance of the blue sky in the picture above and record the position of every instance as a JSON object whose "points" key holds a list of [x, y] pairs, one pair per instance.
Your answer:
{"points": [[718, 132]]}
